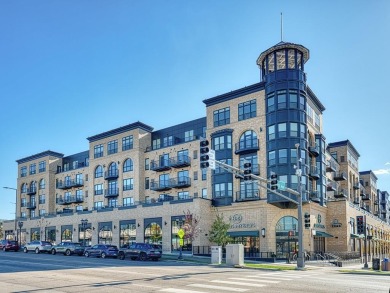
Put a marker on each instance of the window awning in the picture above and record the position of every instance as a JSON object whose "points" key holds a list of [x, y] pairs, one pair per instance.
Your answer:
{"points": [[323, 234], [243, 233], [360, 236]]}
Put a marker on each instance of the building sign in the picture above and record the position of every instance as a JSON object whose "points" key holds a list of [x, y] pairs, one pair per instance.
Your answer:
{"points": [[236, 222], [318, 224]]}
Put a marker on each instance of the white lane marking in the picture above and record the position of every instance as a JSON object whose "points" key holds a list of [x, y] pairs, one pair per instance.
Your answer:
{"points": [[174, 290], [218, 287], [238, 283], [254, 280], [271, 277]]}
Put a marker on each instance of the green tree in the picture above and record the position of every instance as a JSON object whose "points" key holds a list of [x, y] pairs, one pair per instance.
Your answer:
{"points": [[218, 233], [1, 230]]}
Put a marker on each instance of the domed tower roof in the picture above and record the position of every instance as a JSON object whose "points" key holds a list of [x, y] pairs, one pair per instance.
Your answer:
{"points": [[284, 45]]}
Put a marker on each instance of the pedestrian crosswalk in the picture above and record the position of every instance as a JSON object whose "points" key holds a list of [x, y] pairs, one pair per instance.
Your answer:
{"points": [[240, 284]]}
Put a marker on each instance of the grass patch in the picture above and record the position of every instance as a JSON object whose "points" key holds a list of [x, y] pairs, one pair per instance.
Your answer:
{"points": [[270, 267]]}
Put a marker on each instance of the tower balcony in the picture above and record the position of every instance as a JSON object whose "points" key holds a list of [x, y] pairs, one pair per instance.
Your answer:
{"points": [[161, 185], [111, 174], [331, 165], [331, 186], [161, 165], [314, 173], [366, 197], [246, 146], [341, 193], [247, 195], [111, 192], [314, 150], [70, 199], [31, 205], [314, 195], [31, 191], [181, 161], [356, 185], [181, 182], [67, 184], [339, 176]]}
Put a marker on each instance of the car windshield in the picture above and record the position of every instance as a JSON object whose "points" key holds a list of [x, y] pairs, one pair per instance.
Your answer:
{"points": [[112, 247], [46, 243]]}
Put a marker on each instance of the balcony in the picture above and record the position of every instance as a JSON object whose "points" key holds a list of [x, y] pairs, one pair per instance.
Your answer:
{"points": [[69, 200], [111, 192], [181, 182], [247, 195], [165, 197], [331, 186], [376, 202], [314, 150], [31, 205], [31, 191], [181, 161], [161, 185], [341, 193], [356, 201], [247, 146], [111, 174], [356, 185], [161, 165], [314, 195], [331, 166], [339, 176], [70, 183], [314, 173], [366, 197], [365, 207]]}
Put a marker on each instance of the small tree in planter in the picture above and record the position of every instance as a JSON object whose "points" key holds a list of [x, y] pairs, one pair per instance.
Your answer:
{"points": [[218, 232]]}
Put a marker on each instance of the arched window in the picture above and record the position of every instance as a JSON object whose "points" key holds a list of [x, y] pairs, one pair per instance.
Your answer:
{"points": [[249, 140], [128, 165], [42, 184], [99, 171], [286, 236], [24, 187], [112, 170], [33, 186], [153, 233]]}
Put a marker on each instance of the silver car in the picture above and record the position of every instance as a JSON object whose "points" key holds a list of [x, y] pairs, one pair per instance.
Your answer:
{"points": [[38, 246]]}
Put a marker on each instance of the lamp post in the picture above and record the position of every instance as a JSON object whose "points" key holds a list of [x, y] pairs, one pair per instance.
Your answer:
{"points": [[20, 224], [84, 223], [300, 258], [16, 206]]}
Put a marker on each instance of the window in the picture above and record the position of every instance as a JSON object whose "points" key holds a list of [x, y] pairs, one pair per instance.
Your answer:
{"points": [[98, 189], [248, 140], [127, 143], [24, 188], [223, 189], [66, 167], [271, 132], [342, 159], [23, 171], [271, 103], [128, 184], [42, 199], [293, 99], [128, 165], [79, 194], [147, 183], [42, 212], [222, 142], [168, 141], [282, 129], [204, 192], [195, 175], [99, 171], [293, 156], [283, 156], [79, 208], [204, 174], [32, 214], [33, 168], [147, 165], [112, 202], [128, 201], [189, 135], [221, 117], [271, 158], [302, 102], [219, 170], [303, 130], [281, 60], [42, 166], [291, 59], [183, 195], [42, 184], [23, 202], [247, 110], [98, 151], [294, 129], [112, 147], [195, 154], [97, 205], [23, 214], [156, 144], [113, 187], [282, 100]]}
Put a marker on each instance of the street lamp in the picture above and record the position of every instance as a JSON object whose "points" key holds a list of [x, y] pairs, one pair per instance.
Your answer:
{"points": [[84, 223], [16, 206], [20, 224], [298, 172]]}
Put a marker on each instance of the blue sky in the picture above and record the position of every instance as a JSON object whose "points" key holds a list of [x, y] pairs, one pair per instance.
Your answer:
{"points": [[73, 69]]}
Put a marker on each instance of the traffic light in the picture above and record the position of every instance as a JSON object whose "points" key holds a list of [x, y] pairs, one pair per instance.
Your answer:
{"points": [[274, 181], [204, 154], [307, 221], [360, 224], [247, 171]]}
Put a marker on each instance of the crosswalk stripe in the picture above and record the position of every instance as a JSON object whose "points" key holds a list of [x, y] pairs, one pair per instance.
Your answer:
{"points": [[271, 277], [238, 283], [176, 290], [218, 287], [255, 280]]}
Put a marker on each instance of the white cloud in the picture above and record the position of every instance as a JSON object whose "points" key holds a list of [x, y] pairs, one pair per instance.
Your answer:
{"points": [[388, 163]]}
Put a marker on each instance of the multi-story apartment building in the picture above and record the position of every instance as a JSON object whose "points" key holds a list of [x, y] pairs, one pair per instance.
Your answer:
{"points": [[137, 184]]}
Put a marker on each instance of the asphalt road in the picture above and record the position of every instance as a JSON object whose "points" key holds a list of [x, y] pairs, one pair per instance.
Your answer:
{"points": [[22, 273]]}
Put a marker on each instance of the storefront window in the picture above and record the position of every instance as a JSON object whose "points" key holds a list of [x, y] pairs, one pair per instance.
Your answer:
{"points": [[177, 224], [105, 234], [153, 233], [127, 233], [286, 237]]}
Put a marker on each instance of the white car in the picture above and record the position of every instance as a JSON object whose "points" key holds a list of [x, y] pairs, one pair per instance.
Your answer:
{"points": [[38, 246]]}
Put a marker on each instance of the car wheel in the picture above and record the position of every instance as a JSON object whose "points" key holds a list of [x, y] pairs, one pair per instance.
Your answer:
{"points": [[37, 250], [25, 250], [142, 257], [103, 255], [68, 252], [121, 256], [53, 251], [86, 254]]}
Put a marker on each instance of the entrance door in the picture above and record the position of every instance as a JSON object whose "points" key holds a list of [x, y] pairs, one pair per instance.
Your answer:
{"points": [[319, 245]]}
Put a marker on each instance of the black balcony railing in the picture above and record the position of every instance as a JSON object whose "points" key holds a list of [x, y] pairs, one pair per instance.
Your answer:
{"points": [[314, 172], [111, 174], [161, 185], [356, 185], [247, 195], [338, 176], [31, 205], [70, 183], [331, 186], [341, 193], [31, 190], [181, 161], [314, 195], [314, 150], [161, 165], [70, 199], [366, 197], [181, 182], [111, 192], [331, 166], [247, 146]]}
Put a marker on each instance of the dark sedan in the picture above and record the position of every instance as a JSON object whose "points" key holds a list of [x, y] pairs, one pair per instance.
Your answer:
{"points": [[102, 250]]}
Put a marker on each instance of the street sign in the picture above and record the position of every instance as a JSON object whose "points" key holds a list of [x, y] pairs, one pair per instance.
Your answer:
{"points": [[181, 242], [212, 159], [181, 233], [281, 185]]}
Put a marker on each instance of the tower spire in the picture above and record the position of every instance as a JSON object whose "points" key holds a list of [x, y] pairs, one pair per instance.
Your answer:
{"points": [[281, 26]]}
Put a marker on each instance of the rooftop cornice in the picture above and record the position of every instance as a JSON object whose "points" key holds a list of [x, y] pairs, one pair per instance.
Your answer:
{"points": [[39, 155]]}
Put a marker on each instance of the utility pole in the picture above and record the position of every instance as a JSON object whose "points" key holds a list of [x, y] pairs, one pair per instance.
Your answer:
{"points": [[301, 257]]}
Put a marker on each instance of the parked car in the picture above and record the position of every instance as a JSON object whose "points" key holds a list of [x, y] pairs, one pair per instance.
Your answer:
{"points": [[7, 245], [38, 246], [68, 248], [102, 250], [141, 251]]}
